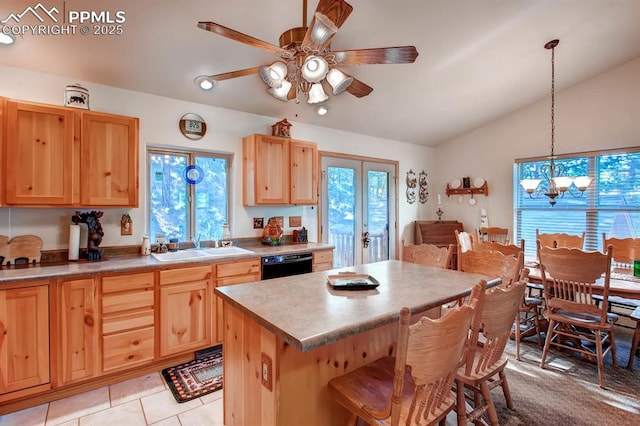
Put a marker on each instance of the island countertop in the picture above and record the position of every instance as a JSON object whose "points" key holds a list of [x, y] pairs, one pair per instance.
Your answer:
{"points": [[306, 312]]}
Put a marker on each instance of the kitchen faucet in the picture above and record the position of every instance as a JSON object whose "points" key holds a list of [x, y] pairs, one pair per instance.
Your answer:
{"points": [[196, 242]]}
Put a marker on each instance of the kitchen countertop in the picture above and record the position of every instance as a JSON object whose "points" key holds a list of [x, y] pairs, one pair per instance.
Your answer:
{"points": [[139, 262], [307, 313]]}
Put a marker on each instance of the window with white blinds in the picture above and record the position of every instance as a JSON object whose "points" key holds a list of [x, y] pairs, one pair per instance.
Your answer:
{"points": [[611, 204]]}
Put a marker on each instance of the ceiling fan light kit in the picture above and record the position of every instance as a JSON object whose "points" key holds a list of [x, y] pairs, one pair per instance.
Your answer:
{"points": [[306, 58], [321, 110]]}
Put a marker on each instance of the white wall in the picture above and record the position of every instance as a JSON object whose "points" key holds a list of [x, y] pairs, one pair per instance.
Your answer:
{"points": [[599, 113], [225, 128]]}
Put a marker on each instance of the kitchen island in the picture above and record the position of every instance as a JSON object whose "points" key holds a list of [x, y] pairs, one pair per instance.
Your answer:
{"points": [[285, 338]]}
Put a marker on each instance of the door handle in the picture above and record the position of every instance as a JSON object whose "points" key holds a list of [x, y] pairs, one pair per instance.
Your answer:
{"points": [[365, 239]]}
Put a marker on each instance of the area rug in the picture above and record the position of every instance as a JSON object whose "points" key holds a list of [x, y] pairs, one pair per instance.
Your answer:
{"points": [[195, 378]]}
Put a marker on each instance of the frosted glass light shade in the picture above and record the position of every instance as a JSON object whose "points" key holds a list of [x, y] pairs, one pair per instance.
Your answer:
{"points": [[338, 81], [274, 74], [530, 185], [314, 68], [7, 38], [204, 82], [281, 93], [316, 94], [323, 28], [582, 182], [563, 182]]}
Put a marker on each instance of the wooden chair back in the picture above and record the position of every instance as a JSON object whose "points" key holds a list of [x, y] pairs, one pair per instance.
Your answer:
{"points": [[569, 276], [428, 254], [560, 239], [434, 350], [492, 263], [625, 250], [507, 249], [493, 234], [501, 305]]}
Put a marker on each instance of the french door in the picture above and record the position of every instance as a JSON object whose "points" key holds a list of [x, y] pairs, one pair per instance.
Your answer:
{"points": [[358, 210]]}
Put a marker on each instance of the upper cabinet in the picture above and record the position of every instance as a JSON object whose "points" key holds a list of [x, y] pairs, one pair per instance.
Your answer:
{"points": [[57, 156], [279, 171]]}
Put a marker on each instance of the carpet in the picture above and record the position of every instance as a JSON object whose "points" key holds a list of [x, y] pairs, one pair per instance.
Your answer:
{"points": [[566, 392], [195, 378]]}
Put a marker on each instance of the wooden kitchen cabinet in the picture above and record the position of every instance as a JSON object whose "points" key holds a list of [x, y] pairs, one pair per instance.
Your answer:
{"points": [[24, 340], [128, 321], [185, 309], [279, 171], [3, 113], [230, 273], [322, 260], [109, 166], [79, 330], [39, 154]]}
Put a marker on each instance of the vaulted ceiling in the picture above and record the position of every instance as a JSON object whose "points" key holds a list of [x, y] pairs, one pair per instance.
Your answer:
{"points": [[478, 59]]}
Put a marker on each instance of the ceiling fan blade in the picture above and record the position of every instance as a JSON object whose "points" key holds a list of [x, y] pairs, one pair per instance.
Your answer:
{"points": [[358, 88], [379, 55], [238, 36], [328, 18], [234, 74]]}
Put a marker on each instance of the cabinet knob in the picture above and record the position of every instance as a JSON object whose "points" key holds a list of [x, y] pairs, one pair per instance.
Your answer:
{"points": [[88, 320]]}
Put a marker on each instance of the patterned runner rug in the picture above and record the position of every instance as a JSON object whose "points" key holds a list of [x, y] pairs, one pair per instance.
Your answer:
{"points": [[195, 378]]}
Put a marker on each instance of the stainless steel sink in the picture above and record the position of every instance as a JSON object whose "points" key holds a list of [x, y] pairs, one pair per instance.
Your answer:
{"points": [[200, 253], [225, 251], [179, 255]]}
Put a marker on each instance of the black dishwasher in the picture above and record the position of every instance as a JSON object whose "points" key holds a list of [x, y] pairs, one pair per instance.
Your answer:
{"points": [[286, 265]]}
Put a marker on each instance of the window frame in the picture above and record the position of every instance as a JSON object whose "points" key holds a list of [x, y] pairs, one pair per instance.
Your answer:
{"points": [[190, 189]]}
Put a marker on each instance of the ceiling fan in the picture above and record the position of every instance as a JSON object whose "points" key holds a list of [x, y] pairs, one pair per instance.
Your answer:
{"points": [[306, 58]]}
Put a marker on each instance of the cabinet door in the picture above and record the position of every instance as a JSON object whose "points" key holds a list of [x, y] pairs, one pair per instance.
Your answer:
{"points": [[41, 154], [109, 160], [24, 338], [3, 113], [79, 330], [185, 317], [266, 170], [304, 172]]}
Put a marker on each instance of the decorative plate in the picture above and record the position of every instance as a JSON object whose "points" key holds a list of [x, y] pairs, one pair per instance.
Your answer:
{"points": [[193, 174], [455, 184], [478, 182]]}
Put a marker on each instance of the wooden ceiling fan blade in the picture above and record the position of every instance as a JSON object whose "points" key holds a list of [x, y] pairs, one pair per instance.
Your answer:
{"points": [[238, 36], [358, 88], [328, 18], [379, 55], [234, 74]]}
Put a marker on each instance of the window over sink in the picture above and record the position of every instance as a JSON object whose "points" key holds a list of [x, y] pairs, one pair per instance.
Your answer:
{"points": [[188, 194], [611, 204]]}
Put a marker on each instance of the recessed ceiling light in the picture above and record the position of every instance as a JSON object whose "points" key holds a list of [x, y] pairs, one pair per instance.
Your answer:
{"points": [[204, 82], [6, 38], [321, 109]]}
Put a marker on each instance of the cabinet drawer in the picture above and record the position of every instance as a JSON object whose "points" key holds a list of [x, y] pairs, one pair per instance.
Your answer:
{"points": [[127, 282], [181, 275], [318, 267], [241, 267], [124, 350], [324, 256], [127, 321], [127, 301], [238, 279]]}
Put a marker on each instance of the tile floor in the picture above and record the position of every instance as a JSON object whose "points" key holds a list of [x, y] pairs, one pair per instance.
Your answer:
{"points": [[143, 401]]}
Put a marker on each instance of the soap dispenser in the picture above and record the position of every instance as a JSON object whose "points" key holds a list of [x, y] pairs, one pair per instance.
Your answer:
{"points": [[145, 247]]}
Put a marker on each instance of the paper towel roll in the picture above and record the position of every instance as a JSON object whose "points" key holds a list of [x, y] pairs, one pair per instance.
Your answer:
{"points": [[74, 241]]}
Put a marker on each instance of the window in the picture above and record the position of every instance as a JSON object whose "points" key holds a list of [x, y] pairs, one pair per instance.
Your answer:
{"points": [[188, 194], [611, 204]]}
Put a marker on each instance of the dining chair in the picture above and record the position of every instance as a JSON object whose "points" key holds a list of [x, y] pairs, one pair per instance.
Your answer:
{"points": [[560, 239], [508, 249], [465, 243], [625, 251], [569, 278], [428, 254], [635, 315], [415, 386], [493, 234], [492, 263], [485, 360]]}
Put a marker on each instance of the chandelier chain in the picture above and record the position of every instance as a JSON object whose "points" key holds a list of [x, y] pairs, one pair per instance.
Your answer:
{"points": [[553, 82]]}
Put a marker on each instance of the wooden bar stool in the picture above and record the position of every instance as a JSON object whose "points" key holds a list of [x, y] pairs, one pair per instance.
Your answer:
{"points": [[636, 338]]}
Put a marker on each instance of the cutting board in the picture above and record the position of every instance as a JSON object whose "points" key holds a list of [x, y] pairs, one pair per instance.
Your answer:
{"points": [[22, 246]]}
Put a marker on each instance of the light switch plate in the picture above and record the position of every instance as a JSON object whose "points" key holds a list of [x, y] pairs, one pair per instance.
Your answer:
{"points": [[267, 372]]}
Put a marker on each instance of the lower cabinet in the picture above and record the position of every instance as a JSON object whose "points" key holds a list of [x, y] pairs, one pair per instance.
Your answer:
{"points": [[78, 330], [322, 260], [24, 340], [230, 273], [128, 324], [185, 313]]}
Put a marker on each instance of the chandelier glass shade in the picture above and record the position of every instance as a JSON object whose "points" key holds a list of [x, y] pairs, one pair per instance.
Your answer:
{"points": [[554, 183]]}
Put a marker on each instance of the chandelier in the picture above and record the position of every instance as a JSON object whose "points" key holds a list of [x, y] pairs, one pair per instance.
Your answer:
{"points": [[555, 184], [303, 68]]}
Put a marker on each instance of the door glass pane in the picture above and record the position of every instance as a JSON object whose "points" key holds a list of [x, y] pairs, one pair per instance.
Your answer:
{"points": [[341, 201], [168, 196], [377, 215], [211, 198]]}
